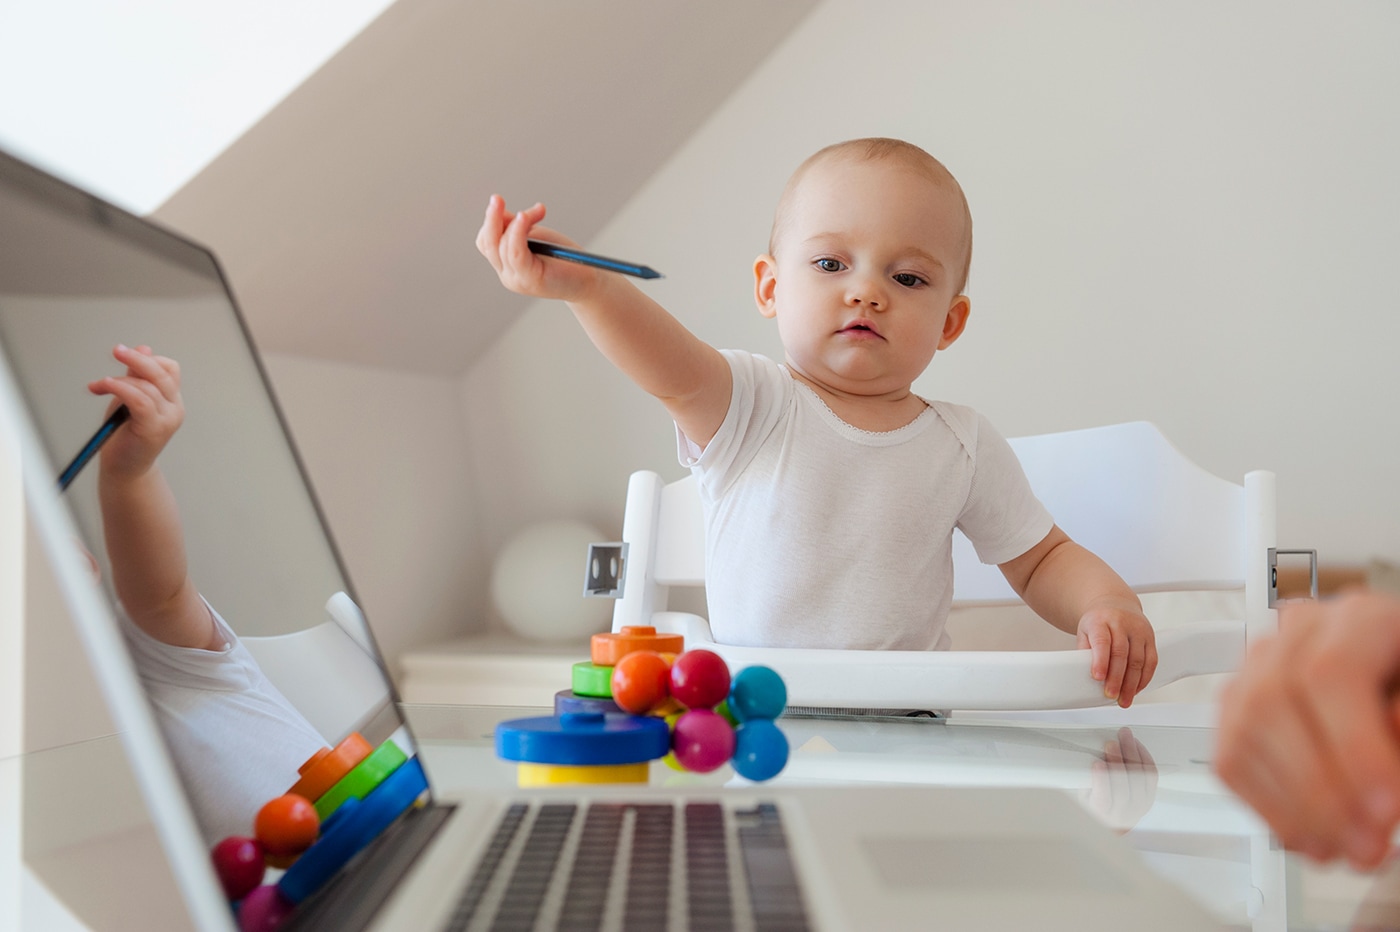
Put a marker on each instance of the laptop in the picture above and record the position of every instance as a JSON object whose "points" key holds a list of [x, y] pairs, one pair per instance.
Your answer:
{"points": [[77, 276]]}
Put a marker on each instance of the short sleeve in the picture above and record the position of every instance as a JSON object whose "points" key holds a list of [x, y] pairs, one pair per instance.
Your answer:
{"points": [[761, 392], [1002, 518]]}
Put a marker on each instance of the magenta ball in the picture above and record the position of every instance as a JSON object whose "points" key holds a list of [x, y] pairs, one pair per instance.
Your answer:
{"points": [[699, 679], [702, 741], [264, 910], [239, 863]]}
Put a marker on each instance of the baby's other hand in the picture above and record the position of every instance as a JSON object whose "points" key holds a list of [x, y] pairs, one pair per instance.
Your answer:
{"points": [[1124, 650], [504, 241], [151, 392]]}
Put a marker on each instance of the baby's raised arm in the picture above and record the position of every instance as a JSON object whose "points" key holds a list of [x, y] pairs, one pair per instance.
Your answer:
{"points": [[636, 334], [140, 521]]}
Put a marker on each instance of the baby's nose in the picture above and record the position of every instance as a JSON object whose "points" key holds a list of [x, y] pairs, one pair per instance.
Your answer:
{"points": [[866, 291]]}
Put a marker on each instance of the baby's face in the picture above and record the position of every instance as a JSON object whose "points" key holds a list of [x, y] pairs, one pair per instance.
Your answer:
{"points": [[866, 270]]}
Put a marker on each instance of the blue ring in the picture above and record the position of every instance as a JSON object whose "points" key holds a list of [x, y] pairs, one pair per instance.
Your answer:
{"points": [[351, 829], [578, 738]]}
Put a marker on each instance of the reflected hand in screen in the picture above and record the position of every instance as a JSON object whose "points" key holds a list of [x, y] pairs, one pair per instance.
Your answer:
{"points": [[150, 389], [1124, 783], [140, 521]]}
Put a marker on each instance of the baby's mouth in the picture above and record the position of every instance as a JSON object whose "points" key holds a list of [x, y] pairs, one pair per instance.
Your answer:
{"points": [[860, 327]]}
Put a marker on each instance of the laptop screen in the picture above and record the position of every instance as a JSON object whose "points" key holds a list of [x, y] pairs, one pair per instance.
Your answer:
{"points": [[77, 278]]}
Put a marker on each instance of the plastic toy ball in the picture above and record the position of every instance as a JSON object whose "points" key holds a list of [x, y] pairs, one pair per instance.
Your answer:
{"points": [[699, 679], [641, 682], [723, 711], [702, 741], [264, 909], [757, 692], [287, 825], [239, 863], [760, 750], [670, 759]]}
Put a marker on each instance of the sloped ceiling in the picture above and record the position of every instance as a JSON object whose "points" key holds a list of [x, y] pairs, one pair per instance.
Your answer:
{"points": [[345, 218]]}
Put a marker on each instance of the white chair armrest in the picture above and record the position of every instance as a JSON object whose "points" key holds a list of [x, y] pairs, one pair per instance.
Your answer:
{"points": [[994, 680]]}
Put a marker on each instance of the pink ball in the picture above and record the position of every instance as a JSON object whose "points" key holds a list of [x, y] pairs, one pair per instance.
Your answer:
{"points": [[239, 863], [264, 910], [699, 679], [702, 741]]}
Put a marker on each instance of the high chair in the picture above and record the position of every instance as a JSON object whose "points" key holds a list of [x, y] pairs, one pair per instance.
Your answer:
{"points": [[1123, 491], [327, 671]]}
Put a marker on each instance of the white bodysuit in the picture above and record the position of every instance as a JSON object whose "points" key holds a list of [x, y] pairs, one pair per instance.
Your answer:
{"points": [[236, 741], [820, 534]]}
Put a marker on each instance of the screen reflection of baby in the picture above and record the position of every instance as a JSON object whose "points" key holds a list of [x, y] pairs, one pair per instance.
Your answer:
{"points": [[236, 741]]}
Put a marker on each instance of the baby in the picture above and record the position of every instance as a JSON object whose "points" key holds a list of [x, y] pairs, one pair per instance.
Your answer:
{"points": [[830, 489], [235, 739]]}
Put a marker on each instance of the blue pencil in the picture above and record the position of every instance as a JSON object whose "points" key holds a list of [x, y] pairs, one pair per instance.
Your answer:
{"points": [[89, 450], [587, 258]]}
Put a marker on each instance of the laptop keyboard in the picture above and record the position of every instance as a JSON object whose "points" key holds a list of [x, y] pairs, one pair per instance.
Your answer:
{"points": [[693, 866]]}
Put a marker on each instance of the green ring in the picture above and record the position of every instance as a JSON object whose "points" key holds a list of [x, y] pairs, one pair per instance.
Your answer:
{"points": [[592, 680], [362, 778]]}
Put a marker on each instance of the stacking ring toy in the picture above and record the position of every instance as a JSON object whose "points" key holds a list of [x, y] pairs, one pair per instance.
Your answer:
{"points": [[611, 646], [528, 774], [592, 680], [566, 700], [326, 767], [355, 825], [580, 738], [362, 780]]}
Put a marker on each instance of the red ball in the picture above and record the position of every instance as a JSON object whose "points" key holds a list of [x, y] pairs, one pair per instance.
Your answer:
{"points": [[699, 679], [702, 741], [641, 682], [239, 863], [287, 825]]}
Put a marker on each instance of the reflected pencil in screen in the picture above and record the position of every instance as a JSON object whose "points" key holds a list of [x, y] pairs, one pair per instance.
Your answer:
{"points": [[556, 251], [89, 450]]}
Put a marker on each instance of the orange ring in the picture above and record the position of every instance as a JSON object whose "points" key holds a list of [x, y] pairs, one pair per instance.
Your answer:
{"points": [[611, 646], [326, 768]]}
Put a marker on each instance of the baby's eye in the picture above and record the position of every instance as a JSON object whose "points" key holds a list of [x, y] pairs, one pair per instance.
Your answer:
{"points": [[829, 265], [909, 280]]}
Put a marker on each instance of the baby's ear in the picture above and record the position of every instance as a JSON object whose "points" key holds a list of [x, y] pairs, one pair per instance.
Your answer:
{"points": [[956, 321], [765, 284]]}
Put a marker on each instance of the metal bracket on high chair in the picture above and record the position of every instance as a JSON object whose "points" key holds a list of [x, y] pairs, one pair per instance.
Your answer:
{"points": [[602, 578], [1274, 553]]}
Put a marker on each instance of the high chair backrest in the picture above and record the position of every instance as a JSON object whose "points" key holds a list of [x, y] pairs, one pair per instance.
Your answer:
{"points": [[1123, 491], [327, 671]]}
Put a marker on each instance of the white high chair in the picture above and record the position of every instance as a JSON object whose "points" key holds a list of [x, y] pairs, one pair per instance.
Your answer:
{"points": [[328, 671], [1123, 491]]}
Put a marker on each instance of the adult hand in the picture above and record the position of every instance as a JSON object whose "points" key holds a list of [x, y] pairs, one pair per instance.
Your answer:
{"points": [[1308, 729]]}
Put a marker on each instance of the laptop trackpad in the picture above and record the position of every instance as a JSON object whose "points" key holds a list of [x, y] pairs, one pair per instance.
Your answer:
{"points": [[976, 858], [989, 864]]}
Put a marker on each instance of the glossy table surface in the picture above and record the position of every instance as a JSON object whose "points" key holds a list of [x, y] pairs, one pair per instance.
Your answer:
{"points": [[1145, 772], [90, 864]]}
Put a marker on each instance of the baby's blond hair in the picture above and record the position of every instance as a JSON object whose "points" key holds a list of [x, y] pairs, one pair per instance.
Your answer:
{"points": [[879, 148]]}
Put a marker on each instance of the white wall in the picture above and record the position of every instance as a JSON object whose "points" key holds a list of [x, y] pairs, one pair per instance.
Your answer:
{"points": [[387, 455], [1185, 212]]}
